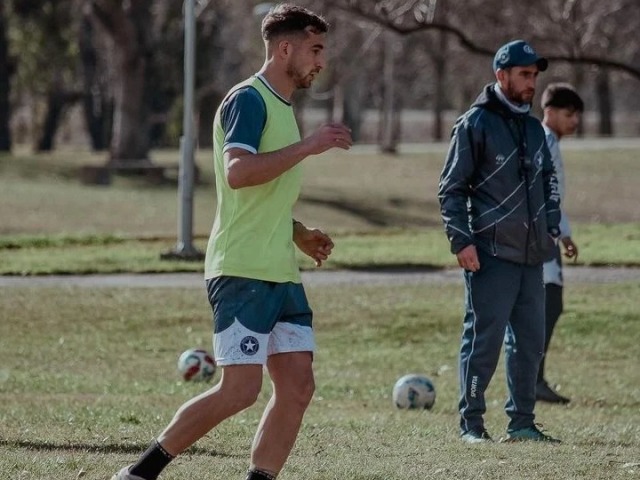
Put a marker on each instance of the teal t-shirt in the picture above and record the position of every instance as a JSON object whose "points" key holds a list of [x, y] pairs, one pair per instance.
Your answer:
{"points": [[252, 231]]}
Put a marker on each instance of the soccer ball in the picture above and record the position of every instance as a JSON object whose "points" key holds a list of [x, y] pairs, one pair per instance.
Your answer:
{"points": [[196, 365], [414, 391]]}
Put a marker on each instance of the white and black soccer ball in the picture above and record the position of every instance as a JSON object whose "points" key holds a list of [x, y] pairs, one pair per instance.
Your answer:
{"points": [[196, 365], [414, 391]]}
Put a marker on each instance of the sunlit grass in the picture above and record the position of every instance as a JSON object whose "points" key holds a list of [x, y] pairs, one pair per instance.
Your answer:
{"points": [[88, 377]]}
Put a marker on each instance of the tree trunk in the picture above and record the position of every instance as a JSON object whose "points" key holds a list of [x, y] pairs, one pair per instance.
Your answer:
{"points": [[206, 106], [440, 67], [130, 130], [127, 26], [94, 102], [578, 83], [5, 85], [388, 143], [354, 103], [55, 107], [605, 103], [57, 102]]}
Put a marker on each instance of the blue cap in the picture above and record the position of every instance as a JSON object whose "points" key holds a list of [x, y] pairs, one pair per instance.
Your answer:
{"points": [[518, 54]]}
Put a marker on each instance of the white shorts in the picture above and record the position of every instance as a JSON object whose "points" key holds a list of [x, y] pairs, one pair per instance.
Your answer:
{"points": [[237, 345], [255, 318]]}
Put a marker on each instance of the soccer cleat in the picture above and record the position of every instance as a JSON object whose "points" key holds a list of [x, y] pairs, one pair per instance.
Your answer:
{"points": [[545, 393], [125, 475], [476, 435], [528, 434]]}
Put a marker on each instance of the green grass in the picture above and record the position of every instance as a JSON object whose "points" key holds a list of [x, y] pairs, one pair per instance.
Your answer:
{"points": [[382, 210], [342, 192], [88, 377], [427, 248]]}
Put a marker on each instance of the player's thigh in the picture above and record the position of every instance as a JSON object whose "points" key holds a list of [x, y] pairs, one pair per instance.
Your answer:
{"points": [[292, 374], [241, 380]]}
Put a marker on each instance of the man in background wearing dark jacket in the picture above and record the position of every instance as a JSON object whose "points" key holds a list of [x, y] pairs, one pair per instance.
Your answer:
{"points": [[501, 209]]}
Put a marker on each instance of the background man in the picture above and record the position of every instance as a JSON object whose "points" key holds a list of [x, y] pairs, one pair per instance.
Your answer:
{"points": [[500, 206], [261, 314], [562, 109]]}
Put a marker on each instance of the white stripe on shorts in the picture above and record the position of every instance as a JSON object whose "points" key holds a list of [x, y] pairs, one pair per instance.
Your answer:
{"points": [[237, 345]]}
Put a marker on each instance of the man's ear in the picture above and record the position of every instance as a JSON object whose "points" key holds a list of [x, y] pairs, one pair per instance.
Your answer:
{"points": [[284, 48], [501, 75]]}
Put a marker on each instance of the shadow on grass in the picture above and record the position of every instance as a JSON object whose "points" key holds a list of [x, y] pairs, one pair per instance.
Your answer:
{"points": [[131, 448], [374, 215]]}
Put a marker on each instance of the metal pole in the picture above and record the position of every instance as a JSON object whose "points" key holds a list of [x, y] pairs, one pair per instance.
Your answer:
{"points": [[184, 248]]}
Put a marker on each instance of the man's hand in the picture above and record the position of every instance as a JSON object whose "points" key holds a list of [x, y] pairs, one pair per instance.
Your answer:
{"points": [[329, 136], [570, 248], [468, 258], [312, 242]]}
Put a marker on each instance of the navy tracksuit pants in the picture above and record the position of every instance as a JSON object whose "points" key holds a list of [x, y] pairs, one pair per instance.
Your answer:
{"points": [[504, 304]]}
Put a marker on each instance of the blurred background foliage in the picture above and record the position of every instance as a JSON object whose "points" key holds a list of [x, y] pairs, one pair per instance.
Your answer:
{"points": [[399, 71]]}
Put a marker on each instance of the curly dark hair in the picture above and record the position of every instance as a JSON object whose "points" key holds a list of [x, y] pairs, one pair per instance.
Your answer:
{"points": [[287, 18]]}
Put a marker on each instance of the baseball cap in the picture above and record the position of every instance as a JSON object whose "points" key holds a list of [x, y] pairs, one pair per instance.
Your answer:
{"points": [[518, 53]]}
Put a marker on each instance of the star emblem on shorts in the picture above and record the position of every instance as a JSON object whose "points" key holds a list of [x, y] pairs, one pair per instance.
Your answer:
{"points": [[249, 345]]}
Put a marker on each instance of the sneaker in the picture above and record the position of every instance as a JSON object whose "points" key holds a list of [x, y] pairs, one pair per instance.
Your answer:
{"points": [[125, 475], [545, 393], [525, 434], [476, 435]]}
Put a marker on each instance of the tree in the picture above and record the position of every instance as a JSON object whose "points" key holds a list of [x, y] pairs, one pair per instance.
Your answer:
{"points": [[127, 25], [405, 17], [6, 72], [97, 103], [44, 39], [597, 40], [589, 29], [224, 56]]}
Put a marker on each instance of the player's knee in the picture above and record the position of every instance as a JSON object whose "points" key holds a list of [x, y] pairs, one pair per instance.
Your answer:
{"points": [[245, 396], [302, 393], [308, 391], [240, 395]]}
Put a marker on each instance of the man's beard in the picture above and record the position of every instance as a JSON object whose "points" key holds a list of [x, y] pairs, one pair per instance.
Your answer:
{"points": [[519, 98], [300, 80]]}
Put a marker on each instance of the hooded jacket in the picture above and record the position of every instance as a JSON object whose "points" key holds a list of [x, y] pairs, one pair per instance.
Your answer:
{"points": [[498, 189]]}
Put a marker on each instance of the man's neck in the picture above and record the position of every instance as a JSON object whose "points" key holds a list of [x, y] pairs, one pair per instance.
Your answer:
{"points": [[545, 122], [277, 79], [514, 107]]}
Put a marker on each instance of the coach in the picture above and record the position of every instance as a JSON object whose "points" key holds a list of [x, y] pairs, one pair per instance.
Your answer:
{"points": [[500, 206]]}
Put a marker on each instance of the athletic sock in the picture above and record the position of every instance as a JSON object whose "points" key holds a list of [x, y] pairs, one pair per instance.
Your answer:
{"points": [[152, 462], [257, 474]]}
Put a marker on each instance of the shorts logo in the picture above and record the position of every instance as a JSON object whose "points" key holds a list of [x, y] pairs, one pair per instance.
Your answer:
{"points": [[500, 159], [249, 345]]}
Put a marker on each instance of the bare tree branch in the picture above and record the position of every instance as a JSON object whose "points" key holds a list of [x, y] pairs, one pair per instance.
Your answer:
{"points": [[395, 24]]}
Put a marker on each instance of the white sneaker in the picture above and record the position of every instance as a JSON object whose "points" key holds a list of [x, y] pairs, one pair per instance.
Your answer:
{"points": [[125, 475]]}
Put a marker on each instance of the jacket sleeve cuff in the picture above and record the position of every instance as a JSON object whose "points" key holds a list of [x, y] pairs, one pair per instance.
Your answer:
{"points": [[457, 245]]}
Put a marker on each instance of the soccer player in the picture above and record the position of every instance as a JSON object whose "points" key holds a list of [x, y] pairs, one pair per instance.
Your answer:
{"points": [[260, 310], [500, 206], [562, 110]]}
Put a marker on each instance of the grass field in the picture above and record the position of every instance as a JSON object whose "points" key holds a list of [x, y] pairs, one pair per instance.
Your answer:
{"points": [[87, 376], [355, 191], [50, 223]]}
